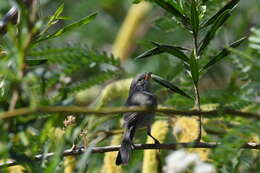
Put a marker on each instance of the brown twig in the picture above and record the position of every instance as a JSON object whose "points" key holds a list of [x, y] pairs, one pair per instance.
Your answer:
{"points": [[168, 111], [173, 146]]}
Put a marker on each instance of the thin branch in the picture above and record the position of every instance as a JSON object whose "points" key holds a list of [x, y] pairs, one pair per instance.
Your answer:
{"points": [[168, 111], [197, 105], [174, 146]]}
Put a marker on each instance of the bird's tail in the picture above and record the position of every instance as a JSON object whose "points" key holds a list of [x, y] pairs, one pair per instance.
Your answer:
{"points": [[126, 147]]}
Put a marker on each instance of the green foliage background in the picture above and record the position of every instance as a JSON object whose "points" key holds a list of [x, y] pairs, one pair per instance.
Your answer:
{"points": [[59, 63]]}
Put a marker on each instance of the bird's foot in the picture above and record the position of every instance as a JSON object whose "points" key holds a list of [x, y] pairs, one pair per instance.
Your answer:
{"points": [[197, 140], [132, 146], [156, 142], [74, 147]]}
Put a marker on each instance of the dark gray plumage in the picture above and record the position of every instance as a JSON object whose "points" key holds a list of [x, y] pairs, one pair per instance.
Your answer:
{"points": [[139, 95]]}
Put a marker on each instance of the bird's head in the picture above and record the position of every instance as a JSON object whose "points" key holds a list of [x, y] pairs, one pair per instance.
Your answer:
{"points": [[141, 83]]}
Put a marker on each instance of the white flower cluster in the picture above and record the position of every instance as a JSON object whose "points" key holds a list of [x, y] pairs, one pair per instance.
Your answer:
{"points": [[181, 161]]}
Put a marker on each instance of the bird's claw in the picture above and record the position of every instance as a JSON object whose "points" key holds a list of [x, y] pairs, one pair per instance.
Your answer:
{"points": [[156, 142], [74, 147], [132, 146]]}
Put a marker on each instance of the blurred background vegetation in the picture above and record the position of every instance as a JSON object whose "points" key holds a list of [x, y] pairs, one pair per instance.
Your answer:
{"points": [[88, 66]]}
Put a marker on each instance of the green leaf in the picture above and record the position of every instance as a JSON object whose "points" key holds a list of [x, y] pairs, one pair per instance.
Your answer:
{"points": [[174, 11], [161, 48], [194, 68], [52, 21], [169, 85], [225, 52], [150, 52], [230, 5], [194, 17], [70, 27], [56, 14], [32, 62], [211, 33]]}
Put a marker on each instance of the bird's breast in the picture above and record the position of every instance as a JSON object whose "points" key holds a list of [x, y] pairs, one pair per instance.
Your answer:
{"points": [[142, 99], [145, 120]]}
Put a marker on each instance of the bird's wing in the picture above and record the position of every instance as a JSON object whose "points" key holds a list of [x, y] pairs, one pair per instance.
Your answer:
{"points": [[130, 117]]}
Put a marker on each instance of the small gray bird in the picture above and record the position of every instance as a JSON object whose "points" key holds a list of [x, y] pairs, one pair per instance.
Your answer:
{"points": [[139, 95]]}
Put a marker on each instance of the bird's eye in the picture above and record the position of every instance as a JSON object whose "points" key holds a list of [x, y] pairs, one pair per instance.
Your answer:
{"points": [[140, 79]]}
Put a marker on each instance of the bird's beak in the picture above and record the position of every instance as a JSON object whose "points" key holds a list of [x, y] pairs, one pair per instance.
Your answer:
{"points": [[147, 76]]}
